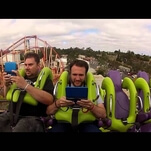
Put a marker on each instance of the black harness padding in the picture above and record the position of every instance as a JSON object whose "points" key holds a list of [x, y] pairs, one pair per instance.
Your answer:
{"points": [[19, 103], [75, 111], [14, 112]]}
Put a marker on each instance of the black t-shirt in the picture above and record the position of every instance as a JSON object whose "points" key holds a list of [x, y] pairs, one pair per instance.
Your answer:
{"points": [[40, 109]]}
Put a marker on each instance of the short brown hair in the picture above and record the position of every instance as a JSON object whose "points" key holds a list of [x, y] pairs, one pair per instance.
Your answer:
{"points": [[32, 55], [79, 63]]}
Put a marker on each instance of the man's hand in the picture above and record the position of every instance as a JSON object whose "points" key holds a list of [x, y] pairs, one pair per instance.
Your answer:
{"points": [[7, 79], [19, 80], [62, 102], [85, 103]]}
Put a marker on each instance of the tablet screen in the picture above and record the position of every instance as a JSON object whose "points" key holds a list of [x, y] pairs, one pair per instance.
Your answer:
{"points": [[9, 66], [76, 93]]}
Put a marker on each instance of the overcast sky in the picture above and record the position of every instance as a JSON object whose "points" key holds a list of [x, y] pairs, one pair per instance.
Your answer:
{"points": [[99, 34]]}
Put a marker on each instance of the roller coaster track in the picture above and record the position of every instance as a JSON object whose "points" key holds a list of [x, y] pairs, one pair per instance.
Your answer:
{"points": [[50, 58]]}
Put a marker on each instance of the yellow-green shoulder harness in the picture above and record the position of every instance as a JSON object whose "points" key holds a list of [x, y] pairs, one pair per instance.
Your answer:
{"points": [[40, 82], [60, 89]]}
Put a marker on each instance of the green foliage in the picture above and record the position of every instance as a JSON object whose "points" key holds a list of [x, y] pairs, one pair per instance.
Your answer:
{"points": [[129, 59]]}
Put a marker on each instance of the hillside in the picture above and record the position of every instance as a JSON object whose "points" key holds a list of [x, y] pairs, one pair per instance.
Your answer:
{"points": [[111, 60]]}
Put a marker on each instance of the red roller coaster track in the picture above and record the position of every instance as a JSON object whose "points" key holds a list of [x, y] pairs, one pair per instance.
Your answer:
{"points": [[50, 58]]}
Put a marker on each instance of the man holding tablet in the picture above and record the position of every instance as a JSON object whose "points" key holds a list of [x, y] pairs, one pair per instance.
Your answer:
{"points": [[28, 102], [77, 76]]}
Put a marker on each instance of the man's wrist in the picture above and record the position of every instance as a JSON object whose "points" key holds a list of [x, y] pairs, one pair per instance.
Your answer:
{"points": [[56, 105], [92, 107], [26, 86]]}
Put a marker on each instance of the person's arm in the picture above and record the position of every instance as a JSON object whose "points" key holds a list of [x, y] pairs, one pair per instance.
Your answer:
{"points": [[38, 94], [62, 102], [7, 82], [53, 108], [98, 110], [6, 88]]}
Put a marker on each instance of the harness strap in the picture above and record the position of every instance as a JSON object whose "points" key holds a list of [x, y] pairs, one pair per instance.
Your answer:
{"points": [[19, 103], [11, 109], [14, 117], [74, 122]]}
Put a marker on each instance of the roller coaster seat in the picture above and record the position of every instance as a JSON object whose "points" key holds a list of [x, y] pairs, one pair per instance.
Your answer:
{"points": [[121, 109], [144, 104], [59, 91]]}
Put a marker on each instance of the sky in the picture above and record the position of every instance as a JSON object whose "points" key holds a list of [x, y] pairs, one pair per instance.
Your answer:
{"points": [[98, 34]]}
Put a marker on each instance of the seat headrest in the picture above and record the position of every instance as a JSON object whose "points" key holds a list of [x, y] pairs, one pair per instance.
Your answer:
{"points": [[116, 78], [144, 75]]}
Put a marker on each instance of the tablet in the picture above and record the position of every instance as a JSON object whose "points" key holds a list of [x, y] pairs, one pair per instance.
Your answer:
{"points": [[9, 66], [76, 93]]}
